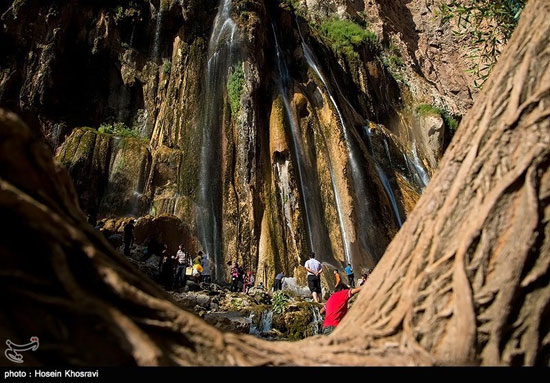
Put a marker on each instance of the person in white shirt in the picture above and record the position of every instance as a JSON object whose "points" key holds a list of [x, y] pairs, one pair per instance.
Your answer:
{"points": [[180, 267], [314, 269]]}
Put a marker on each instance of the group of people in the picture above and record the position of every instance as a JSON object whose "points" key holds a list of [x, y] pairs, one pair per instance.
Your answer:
{"points": [[175, 269], [336, 306], [240, 278]]}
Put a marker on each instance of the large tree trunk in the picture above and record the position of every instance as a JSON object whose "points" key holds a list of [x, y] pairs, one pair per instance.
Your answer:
{"points": [[465, 281]]}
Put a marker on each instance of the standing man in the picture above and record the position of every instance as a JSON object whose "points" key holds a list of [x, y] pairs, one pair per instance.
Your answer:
{"points": [[180, 267], [351, 277], [278, 285], [128, 237], [314, 270]]}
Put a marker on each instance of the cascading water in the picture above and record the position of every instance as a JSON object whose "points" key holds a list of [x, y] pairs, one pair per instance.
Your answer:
{"points": [[264, 325], [316, 325], [419, 168], [383, 178], [357, 175], [310, 193], [131, 43], [387, 149], [221, 55], [158, 27]]}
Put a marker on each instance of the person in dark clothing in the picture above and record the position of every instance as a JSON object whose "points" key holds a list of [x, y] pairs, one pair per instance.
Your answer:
{"points": [[364, 277], [278, 284], [351, 277], [128, 237], [235, 277], [166, 269]]}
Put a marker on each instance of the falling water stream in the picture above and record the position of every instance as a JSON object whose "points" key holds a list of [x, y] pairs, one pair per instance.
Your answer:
{"points": [[383, 178], [308, 186], [357, 175], [419, 168], [158, 26], [221, 56]]}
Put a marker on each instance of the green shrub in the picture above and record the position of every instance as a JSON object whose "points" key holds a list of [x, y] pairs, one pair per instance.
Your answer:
{"points": [[167, 66], [235, 86], [295, 6], [345, 36], [118, 129], [427, 110], [489, 24], [119, 13], [279, 302], [394, 64]]}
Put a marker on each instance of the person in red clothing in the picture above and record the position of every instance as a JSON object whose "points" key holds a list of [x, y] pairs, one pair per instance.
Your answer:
{"points": [[337, 306]]}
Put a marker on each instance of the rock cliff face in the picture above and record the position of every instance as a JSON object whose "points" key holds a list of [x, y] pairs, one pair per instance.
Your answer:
{"points": [[242, 118]]}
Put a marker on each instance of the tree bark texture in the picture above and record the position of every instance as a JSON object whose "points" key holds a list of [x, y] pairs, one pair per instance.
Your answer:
{"points": [[465, 281]]}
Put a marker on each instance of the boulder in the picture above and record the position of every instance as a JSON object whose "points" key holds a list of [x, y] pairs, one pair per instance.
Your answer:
{"points": [[229, 322]]}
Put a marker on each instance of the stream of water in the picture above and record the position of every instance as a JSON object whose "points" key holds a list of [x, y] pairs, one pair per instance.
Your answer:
{"points": [[222, 49], [158, 27], [354, 156], [383, 178], [308, 185]]}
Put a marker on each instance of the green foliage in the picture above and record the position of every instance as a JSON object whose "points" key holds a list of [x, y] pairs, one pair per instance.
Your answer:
{"points": [[448, 119], [391, 59], [119, 12], [279, 302], [118, 129], [235, 86], [295, 6], [167, 66], [488, 23], [345, 37]]}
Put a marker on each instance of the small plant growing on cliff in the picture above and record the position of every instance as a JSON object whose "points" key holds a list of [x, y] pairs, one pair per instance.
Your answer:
{"points": [[489, 24], [167, 66], [295, 6], [427, 109], [119, 13], [235, 86], [118, 129], [345, 37]]}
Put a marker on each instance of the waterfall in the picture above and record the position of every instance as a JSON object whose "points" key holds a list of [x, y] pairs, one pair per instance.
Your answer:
{"points": [[387, 149], [383, 178], [308, 187], [177, 197], [389, 193], [419, 167], [158, 26], [264, 326], [221, 52], [317, 325], [131, 44], [352, 154]]}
